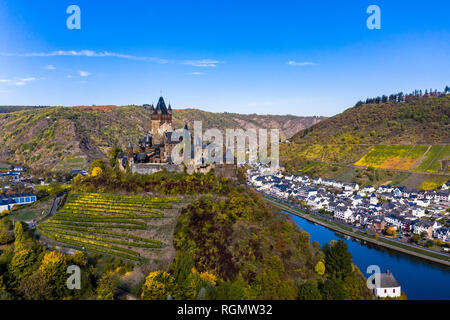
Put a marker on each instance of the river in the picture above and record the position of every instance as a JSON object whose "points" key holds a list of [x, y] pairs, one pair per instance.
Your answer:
{"points": [[418, 278]]}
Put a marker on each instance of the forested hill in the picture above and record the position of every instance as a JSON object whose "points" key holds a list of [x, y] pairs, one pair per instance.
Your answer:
{"points": [[69, 137], [420, 121]]}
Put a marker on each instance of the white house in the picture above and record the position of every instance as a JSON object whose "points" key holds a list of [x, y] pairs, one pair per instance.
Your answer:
{"points": [[442, 234], [423, 202], [418, 212], [343, 212], [387, 286]]}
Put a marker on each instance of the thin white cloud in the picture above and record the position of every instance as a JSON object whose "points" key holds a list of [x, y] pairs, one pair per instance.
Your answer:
{"points": [[84, 53], [202, 63], [50, 67], [197, 73], [84, 73], [18, 81], [92, 53], [301, 64]]}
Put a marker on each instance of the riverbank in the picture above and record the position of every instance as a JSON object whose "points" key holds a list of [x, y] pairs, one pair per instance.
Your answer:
{"points": [[352, 232]]}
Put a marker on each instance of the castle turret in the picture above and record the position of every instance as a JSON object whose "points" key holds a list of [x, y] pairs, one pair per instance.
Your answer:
{"points": [[161, 121]]}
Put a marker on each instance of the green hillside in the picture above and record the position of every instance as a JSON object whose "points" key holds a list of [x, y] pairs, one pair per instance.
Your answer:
{"points": [[391, 142]]}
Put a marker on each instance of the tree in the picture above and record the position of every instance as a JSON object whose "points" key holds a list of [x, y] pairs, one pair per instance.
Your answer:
{"points": [[35, 287], [21, 265], [236, 290], [97, 163], [320, 268], [96, 171], [309, 291], [338, 260], [19, 238], [429, 243], [107, 286], [391, 231], [80, 258], [158, 286], [113, 159], [334, 289], [6, 234], [54, 269]]}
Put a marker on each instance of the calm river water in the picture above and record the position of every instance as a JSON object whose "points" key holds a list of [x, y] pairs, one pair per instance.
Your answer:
{"points": [[419, 279]]}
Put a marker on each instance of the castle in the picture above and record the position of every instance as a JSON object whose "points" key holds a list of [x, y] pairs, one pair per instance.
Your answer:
{"points": [[153, 152]]}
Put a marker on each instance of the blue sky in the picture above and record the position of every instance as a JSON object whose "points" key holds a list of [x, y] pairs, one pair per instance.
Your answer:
{"points": [[276, 57]]}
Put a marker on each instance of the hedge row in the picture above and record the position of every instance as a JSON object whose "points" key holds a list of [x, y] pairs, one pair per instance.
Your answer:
{"points": [[88, 246], [96, 238], [99, 231], [94, 225], [124, 199], [68, 213], [80, 218]]}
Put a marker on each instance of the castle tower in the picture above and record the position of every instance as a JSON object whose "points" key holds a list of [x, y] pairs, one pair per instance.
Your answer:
{"points": [[161, 121]]}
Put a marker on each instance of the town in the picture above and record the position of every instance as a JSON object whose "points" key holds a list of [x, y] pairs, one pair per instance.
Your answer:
{"points": [[406, 215]]}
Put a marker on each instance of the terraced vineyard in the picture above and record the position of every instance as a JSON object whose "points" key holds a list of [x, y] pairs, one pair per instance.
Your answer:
{"points": [[107, 223]]}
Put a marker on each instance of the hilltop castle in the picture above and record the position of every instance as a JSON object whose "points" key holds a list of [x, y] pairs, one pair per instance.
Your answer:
{"points": [[153, 152]]}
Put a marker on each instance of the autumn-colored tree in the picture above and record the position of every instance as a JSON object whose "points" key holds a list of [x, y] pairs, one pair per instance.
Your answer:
{"points": [[196, 281], [19, 237], [158, 286], [35, 287], [96, 171], [320, 268], [97, 164], [6, 235], [392, 231], [54, 269], [21, 265], [107, 286], [79, 258]]}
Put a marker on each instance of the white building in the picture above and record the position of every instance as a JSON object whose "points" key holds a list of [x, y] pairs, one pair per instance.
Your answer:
{"points": [[387, 286]]}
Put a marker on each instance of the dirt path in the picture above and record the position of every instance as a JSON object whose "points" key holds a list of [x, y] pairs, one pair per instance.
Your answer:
{"points": [[435, 158], [419, 162]]}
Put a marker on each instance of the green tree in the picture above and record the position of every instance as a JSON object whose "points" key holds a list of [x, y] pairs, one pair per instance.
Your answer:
{"points": [[338, 261], [113, 156], [334, 289], [236, 290], [309, 291]]}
